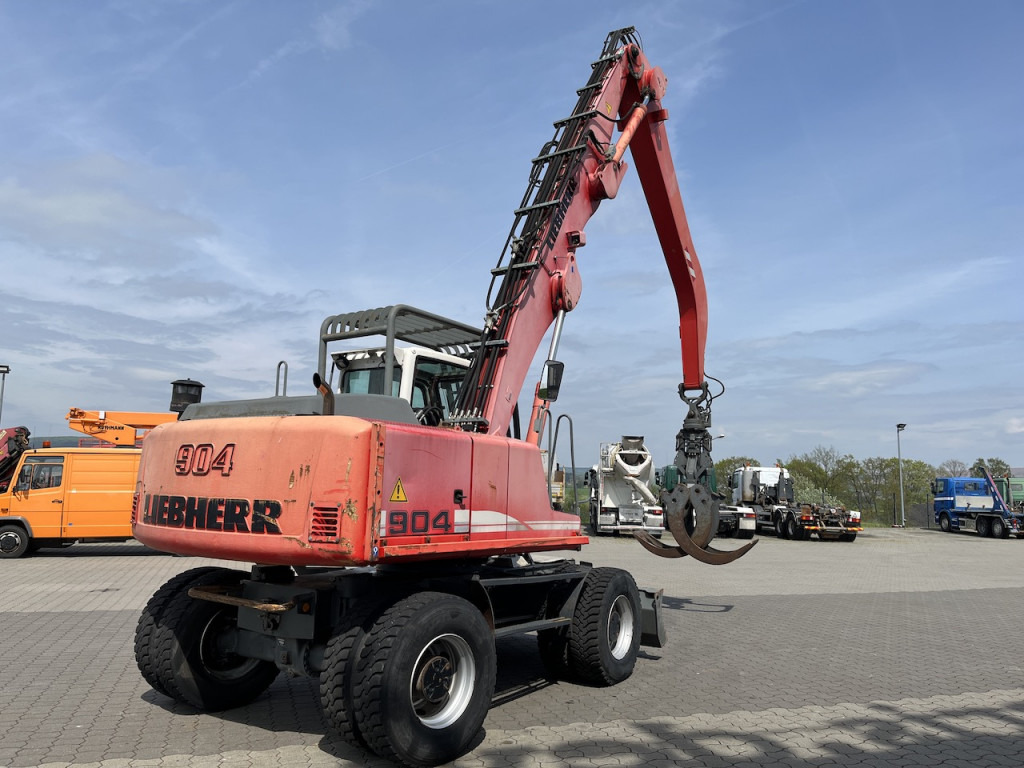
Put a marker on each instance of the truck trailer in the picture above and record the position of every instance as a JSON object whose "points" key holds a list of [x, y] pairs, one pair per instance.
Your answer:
{"points": [[769, 491]]}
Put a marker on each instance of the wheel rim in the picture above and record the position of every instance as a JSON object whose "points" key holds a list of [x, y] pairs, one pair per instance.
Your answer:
{"points": [[620, 627], [217, 660], [442, 681], [997, 529], [9, 541]]}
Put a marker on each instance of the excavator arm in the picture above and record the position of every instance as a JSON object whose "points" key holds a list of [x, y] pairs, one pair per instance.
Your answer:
{"points": [[537, 279]]}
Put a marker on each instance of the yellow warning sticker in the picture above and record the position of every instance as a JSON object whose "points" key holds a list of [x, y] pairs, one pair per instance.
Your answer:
{"points": [[399, 493]]}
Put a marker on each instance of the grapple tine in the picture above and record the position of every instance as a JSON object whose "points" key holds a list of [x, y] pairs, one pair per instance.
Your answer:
{"points": [[697, 501], [655, 547], [710, 555]]}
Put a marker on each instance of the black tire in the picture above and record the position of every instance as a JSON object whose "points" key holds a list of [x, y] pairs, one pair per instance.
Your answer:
{"points": [[793, 530], [604, 637], [337, 678], [780, 528], [424, 684], [14, 541], [148, 622], [848, 536], [188, 662], [984, 526], [998, 529], [944, 523], [553, 645], [744, 534]]}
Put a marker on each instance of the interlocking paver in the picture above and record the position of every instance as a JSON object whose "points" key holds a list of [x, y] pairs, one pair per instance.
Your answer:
{"points": [[800, 654]]}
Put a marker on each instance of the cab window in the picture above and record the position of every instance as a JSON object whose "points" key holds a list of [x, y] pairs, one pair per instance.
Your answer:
{"points": [[436, 386], [36, 475], [370, 381]]}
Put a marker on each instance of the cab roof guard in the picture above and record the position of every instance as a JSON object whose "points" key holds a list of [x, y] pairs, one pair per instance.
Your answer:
{"points": [[401, 322]]}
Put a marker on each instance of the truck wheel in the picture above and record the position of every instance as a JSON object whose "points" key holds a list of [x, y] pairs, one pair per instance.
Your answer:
{"points": [[553, 645], [998, 530], [337, 696], [191, 664], [147, 624], [604, 637], [13, 541], [944, 523], [848, 536], [745, 534], [780, 527], [793, 531], [984, 527], [425, 683]]}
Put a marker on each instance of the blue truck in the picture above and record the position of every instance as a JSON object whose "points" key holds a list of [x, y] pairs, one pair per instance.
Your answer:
{"points": [[975, 504]]}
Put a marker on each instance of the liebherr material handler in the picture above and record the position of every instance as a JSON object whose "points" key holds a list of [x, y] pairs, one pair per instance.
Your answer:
{"points": [[393, 517]]}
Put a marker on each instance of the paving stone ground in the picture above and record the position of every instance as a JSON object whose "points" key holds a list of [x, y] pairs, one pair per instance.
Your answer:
{"points": [[900, 649]]}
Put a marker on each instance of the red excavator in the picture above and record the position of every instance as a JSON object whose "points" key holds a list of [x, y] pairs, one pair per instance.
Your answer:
{"points": [[393, 514]]}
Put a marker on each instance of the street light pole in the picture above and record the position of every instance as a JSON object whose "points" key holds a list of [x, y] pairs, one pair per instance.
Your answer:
{"points": [[899, 461], [4, 370]]}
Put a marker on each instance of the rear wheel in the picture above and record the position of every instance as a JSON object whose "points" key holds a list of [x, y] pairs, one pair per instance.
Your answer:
{"points": [[944, 523], [424, 685], [14, 541], [745, 534], [604, 637], [999, 529], [847, 537], [794, 530], [337, 686], [985, 528], [191, 649], [147, 624], [780, 527]]}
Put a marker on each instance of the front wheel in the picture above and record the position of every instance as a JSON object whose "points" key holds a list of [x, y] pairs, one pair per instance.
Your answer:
{"points": [[604, 637], [424, 685], [944, 523], [14, 541]]}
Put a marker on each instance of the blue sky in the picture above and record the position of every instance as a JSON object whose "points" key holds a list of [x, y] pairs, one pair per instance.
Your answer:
{"points": [[188, 188]]}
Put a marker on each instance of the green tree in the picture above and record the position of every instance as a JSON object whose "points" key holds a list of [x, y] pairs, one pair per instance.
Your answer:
{"points": [[724, 468], [875, 480], [825, 474], [997, 467]]}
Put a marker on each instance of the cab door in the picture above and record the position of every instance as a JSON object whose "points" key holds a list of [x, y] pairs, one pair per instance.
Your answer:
{"points": [[38, 495]]}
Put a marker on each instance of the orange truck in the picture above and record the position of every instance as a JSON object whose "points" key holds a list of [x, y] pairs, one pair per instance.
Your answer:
{"points": [[58, 496], [54, 497]]}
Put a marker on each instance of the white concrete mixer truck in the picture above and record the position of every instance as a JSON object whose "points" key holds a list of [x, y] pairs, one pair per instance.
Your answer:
{"points": [[621, 498]]}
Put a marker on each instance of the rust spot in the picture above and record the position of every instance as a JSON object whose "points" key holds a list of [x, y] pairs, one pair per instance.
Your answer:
{"points": [[350, 510], [348, 470], [291, 479]]}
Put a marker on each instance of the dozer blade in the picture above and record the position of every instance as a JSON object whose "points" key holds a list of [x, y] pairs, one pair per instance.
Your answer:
{"points": [[695, 504]]}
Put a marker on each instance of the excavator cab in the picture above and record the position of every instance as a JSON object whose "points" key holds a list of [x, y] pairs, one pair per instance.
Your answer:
{"points": [[427, 379]]}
